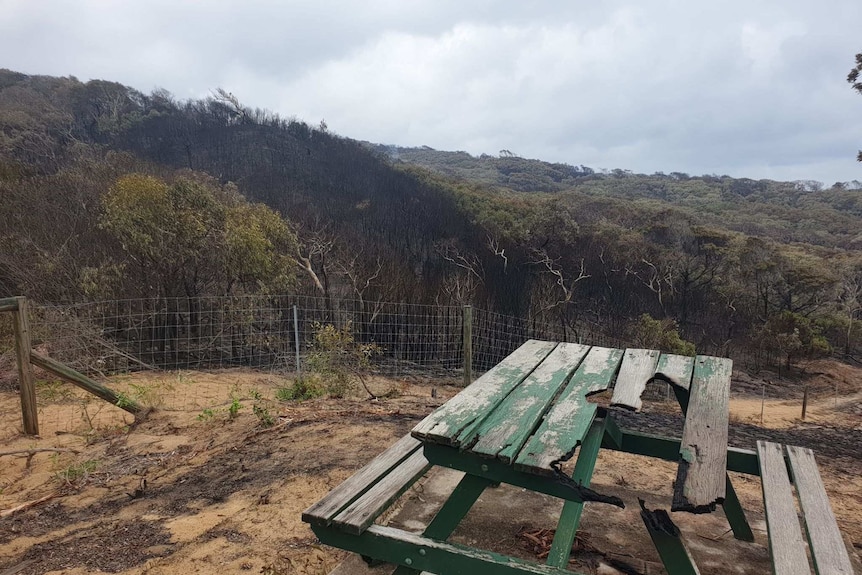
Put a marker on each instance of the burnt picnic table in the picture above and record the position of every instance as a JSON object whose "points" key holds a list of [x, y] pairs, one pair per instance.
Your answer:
{"points": [[522, 420]]}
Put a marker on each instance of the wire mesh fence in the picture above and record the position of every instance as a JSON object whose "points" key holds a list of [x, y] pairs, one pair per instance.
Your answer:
{"points": [[277, 332], [274, 335]]}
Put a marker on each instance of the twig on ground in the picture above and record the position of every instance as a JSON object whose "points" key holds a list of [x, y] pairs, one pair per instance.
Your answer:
{"points": [[27, 505], [31, 452]]}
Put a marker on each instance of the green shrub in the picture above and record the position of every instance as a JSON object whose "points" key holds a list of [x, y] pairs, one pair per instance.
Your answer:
{"points": [[661, 334], [338, 359], [301, 389]]}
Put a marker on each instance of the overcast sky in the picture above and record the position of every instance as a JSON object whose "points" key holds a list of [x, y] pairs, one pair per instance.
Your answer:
{"points": [[745, 88]]}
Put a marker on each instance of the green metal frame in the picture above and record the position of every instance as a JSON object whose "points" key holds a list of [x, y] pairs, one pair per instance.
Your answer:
{"points": [[495, 470], [453, 511], [425, 554], [570, 518], [667, 540]]}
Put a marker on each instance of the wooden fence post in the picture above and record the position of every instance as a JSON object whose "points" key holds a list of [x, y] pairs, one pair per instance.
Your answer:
{"points": [[21, 321], [296, 341], [468, 345]]}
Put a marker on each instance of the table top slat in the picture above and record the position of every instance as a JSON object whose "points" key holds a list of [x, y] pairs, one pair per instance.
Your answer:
{"points": [[567, 422], [701, 481], [637, 369], [460, 415], [675, 369], [785, 536], [504, 431], [827, 546]]}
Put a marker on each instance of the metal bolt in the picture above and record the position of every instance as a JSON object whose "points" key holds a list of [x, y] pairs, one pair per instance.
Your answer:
{"points": [[422, 552], [408, 561], [484, 467]]}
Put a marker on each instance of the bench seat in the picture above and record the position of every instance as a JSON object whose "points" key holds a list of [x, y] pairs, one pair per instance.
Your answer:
{"points": [[786, 545], [355, 504]]}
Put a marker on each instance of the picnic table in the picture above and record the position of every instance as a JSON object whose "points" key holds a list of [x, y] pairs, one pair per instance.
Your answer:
{"points": [[524, 419]]}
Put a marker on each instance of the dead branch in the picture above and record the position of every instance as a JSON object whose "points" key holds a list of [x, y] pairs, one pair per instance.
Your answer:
{"points": [[494, 246], [466, 261], [551, 267], [27, 505], [35, 450]]}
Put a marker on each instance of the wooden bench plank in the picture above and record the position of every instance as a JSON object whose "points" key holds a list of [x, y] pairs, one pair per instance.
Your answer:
{"points": [[324, 510], [827, 547], [700, 480], [785, 536], [565, 425], [503, 432], [675, 369], [460, 415], [361, 513], [637, 369]]}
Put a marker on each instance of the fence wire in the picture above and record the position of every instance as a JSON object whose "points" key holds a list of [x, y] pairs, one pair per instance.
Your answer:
{"points": [[273, 335]]}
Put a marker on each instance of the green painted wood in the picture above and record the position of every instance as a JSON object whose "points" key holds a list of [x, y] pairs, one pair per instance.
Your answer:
{"points": [[637, 369], [460, 415], [675, 369], [785, 536], [500, 472], [8, 304], [739, 460], [357, 516], [570, 518], [565, 425], [350, 490], [425, 554], [506, 429], [827, 546], [700, 481], [735, 513], [452, 512], [456, 507], [668, 542]]}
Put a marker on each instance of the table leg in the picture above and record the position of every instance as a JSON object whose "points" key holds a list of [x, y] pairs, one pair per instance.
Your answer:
{"points": [[452, 512], [667, 540], [735, 515], [570, 518]]}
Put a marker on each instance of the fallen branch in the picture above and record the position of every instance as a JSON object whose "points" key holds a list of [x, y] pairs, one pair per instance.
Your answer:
{"points": [[38, 450], [31, 452], [18, 568], [27, 505]]}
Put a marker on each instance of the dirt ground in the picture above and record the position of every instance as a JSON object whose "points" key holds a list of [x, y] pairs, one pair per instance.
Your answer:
{"points": [[202, 486]]}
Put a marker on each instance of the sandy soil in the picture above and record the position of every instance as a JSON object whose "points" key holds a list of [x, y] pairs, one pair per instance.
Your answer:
{"points": [[191, 489]]}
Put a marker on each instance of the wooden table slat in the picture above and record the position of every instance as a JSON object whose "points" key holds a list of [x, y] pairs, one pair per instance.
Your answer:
{"points": [[785, 536], [504, 431], [565, 425], [637, 369], [675, 369], [827, 546], [700, 481], [359, 482], [461, 414], [362, 512]]}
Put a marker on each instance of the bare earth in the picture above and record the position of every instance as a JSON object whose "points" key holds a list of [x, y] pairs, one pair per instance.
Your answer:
{"points": [[191, 489]]}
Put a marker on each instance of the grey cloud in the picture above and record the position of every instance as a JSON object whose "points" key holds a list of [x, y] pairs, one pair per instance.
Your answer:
{"points": [[749, 89]]}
